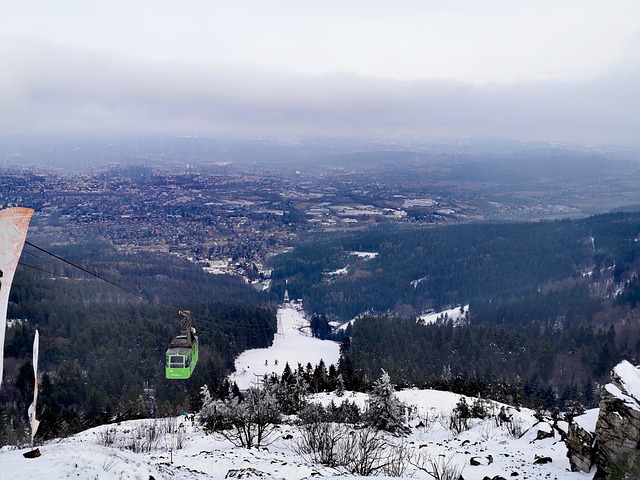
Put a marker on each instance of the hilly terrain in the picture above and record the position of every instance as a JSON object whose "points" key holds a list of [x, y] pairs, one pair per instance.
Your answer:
{"points": [[551, 305], [548, 309], [409, 271]]}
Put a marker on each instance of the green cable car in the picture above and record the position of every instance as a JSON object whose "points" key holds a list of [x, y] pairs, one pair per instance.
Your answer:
{"points": [[182, 354]]}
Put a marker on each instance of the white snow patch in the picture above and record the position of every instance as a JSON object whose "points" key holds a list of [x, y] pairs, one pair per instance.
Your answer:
{"points": [[455, 314], [342, 327], [588, 419], [415, 283], [13, 322], [630, 378], [365, 255], [616, 392], [340, 271]]}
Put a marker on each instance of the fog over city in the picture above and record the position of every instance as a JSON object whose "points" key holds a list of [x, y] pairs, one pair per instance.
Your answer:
{"points": [[542, 71]]}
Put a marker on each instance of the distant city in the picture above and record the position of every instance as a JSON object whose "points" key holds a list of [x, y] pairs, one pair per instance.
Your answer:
{"points": [[230, 216]]}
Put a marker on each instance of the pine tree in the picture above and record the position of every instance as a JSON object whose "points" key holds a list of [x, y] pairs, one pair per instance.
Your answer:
{"points": [[385, 411], [339, 386]]}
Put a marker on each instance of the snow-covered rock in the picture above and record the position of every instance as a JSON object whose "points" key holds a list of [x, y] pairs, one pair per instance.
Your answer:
{"points": [[618, 427], [580, 440]]}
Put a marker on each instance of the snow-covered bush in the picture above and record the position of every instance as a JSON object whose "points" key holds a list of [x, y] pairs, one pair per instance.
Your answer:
{"points": [[515, 427], [459, 418], [345, 412], [463, 412], [339, 385], [369, 452], [144, 436], [291, 390], [481, 408], [313, 413], [428, 419], [247, 422], [107, 437], [385, 411]]}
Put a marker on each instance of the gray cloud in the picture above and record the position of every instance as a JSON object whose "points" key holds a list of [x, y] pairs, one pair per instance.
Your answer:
{"points": [[53, 89]]}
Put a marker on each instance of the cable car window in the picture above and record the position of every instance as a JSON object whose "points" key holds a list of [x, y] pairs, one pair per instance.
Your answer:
{"points": [[176, 361]]}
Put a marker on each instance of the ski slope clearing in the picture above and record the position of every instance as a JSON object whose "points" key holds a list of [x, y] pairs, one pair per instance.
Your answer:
{"points": [[106, 452], [293, 344]]}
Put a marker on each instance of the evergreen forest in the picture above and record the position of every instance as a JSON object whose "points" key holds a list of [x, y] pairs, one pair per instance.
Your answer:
{"points": [[103, 342], [507, 272], [552, 305]]}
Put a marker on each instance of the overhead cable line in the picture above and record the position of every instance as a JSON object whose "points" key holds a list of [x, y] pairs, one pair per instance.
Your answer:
{"points": [[36, 268], [85, 270], [263, 330], [34, 255]]}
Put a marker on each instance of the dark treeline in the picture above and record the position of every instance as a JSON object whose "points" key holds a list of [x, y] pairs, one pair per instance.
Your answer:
{"points": [[320, 328], [424, 268], [533, 365], [102, 349]]}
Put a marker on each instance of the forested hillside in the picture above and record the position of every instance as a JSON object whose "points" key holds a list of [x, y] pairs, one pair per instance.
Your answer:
{"points": [[552, 309], [535, 366], [552, 304], [423, 268], [102, 347]]}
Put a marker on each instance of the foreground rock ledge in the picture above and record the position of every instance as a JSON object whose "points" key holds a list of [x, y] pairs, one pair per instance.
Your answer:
{"points": [[617, 435]]}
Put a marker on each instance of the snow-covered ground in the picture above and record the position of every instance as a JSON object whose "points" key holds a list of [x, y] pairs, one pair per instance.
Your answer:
{"points": [[293, 343], [105, 452], [495, 450]]}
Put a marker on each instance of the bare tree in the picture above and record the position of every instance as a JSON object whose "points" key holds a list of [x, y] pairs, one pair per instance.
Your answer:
{"points": [[441, 467], [322, 442]]}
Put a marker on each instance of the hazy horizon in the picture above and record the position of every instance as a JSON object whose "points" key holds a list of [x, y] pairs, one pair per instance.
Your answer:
{"points": [[531, 72]]}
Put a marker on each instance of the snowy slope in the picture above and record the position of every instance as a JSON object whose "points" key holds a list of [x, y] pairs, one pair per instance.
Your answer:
{"points": [[209, 457], [105, 452], [509, 455], [455, 315], [293, 344]]}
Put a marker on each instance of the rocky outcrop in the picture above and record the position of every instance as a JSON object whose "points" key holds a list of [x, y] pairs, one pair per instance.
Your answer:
{"points": [[248, 473], [580, 447], [617, 430]]}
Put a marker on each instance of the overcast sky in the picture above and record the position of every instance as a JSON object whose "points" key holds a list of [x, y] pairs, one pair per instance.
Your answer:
{"points": [[560, 70]]}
